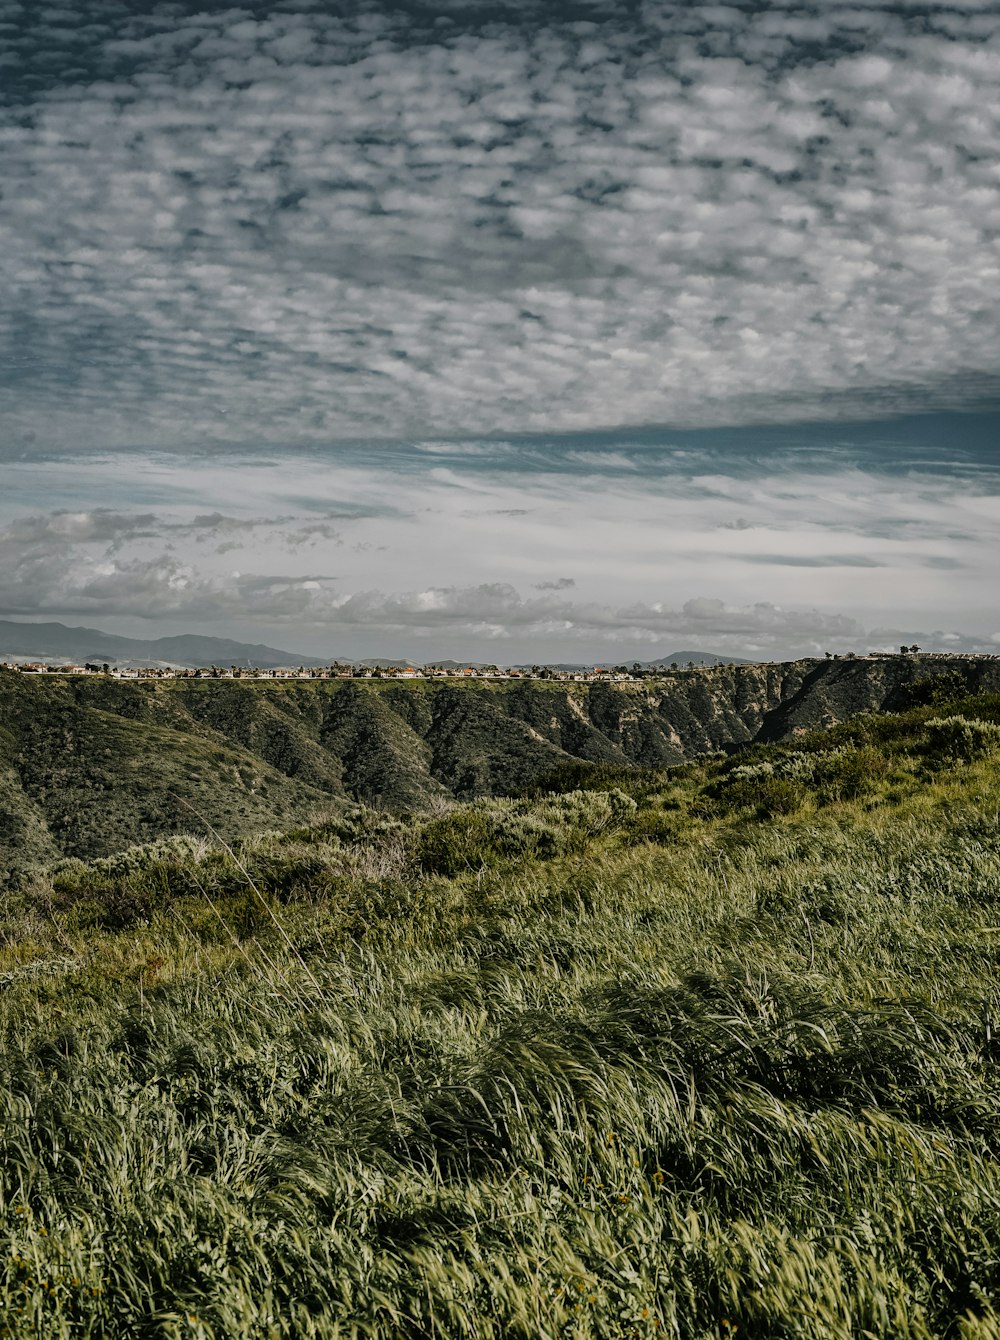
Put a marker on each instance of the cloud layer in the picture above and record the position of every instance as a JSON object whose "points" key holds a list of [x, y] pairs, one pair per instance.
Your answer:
{"points": [[639, 558], [269, 224]]}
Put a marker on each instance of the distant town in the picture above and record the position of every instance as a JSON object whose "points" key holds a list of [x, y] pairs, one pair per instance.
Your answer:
{"points": [[338, 670], [344, 670]]}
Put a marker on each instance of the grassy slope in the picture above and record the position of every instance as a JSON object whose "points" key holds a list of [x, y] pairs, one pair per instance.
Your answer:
{"points": [[719, 1062]]}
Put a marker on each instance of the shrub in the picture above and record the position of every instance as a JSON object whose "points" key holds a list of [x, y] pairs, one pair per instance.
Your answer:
{"points": [[591, 812], [843, 774], [478, 836], [766, 794], [128, 887], [73, 875], [796, 767], [490, 831], [360, 823], [934, 691], [750, 772], [958, 739], [587, 776], [653, 826], [770, 786], [779, 795]]}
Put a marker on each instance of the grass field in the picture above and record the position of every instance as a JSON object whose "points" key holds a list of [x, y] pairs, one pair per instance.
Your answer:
{"points": [[708, 1052]]}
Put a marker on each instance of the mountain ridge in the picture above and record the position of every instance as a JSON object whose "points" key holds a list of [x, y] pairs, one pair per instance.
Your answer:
{"points": [[81, 644], [92, 644]]}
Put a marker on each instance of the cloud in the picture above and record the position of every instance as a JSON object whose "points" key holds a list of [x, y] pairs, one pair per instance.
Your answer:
{"points": [[248, 225], [124, 563], [497, 613], [560, 584], [64, 528], [102, 563], [882, 545]]}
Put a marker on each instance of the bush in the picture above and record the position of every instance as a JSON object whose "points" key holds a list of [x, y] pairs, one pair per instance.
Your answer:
{"points": [[490, 831], [72, 875], [766, 794], [958, 739], [771, 786], [358, 824], [587, 776], [935, 691], [844, 774], [478, 836], [590, 812], [653, 826], [128, 887], [779, 796], [796, 767], [768, 788]]}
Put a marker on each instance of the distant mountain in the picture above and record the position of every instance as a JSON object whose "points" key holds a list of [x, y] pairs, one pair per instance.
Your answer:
{"points": [[385, 662], [455, 665], [682, 658], [48, 640]]}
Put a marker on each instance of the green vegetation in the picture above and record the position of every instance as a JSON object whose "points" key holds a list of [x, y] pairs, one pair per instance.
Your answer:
{"points": [[956, 739], [90, 765], [706, 1052]]}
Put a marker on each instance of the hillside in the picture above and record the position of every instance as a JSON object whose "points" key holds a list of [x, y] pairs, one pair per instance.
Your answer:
{"points": [[704, 1052], [90, 765]]}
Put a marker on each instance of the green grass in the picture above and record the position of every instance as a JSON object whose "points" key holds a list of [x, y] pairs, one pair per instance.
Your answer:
{"points": [[648, 1056]]}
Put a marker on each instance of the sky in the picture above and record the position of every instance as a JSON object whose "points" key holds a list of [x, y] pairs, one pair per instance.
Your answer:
{"points": [[503, 331]]}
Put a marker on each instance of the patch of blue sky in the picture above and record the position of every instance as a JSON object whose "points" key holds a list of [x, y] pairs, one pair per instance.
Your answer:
{"points": [[334, 508], [813, 560], [965, 445]]}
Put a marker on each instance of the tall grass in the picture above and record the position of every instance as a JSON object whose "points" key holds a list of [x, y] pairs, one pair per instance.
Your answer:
{"points": [[672, 1067]]}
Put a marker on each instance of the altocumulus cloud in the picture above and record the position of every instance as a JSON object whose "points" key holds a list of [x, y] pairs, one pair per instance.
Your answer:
{"points": [[268, 222]]}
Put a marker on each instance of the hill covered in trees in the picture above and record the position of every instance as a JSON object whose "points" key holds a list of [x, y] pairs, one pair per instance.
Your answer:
{"points": [[707, 1051]]}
